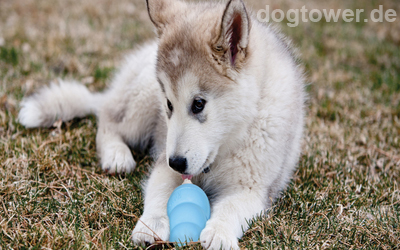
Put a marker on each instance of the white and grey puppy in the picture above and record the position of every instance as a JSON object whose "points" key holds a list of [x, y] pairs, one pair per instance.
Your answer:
{"points": [[218, 92]]}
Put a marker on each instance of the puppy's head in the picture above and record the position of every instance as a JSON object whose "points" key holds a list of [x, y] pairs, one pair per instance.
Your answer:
{"points": [[203, 50]]}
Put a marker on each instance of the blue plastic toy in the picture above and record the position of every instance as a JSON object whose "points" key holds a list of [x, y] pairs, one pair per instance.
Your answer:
{"points": [[188, 210]]}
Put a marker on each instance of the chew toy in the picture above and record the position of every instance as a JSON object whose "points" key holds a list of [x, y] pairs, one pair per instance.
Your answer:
{"points": [[188, 210]]}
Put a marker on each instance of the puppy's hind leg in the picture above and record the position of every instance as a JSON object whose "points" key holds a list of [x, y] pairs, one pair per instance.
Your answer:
{"points": [[116, 157], [130, 116]]}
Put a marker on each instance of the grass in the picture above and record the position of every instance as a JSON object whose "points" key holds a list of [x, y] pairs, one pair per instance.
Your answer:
{"points": [[344, 195]]}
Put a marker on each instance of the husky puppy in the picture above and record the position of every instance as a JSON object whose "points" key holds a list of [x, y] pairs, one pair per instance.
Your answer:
{"points": [[220, 98]]}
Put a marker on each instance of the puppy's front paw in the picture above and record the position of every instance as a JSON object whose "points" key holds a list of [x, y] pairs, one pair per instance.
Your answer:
{"points": [[117, 158], [150, 229], [216, 235]]}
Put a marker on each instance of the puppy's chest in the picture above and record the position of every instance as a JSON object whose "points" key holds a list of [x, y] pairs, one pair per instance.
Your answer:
{"points": [[261, 132], [232, 177]]}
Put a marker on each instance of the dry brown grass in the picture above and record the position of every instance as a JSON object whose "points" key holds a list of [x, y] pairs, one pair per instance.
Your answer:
{"points": [[344, 195]]}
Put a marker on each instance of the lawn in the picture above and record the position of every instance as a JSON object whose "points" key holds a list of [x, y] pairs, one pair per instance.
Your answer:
{"points": [[344, 195]]}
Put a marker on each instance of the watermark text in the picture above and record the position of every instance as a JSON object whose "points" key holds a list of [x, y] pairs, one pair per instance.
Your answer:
{"points": [[294, 16]]}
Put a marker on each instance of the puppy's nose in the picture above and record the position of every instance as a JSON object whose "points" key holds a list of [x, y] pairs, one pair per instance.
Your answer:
{"points": [[178, 164]]}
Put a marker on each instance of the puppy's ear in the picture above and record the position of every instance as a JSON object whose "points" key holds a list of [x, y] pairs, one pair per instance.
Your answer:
{"points": [[234, 34], [163, 12]]}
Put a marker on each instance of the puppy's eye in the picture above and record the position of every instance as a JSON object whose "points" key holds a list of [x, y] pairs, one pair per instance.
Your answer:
{"points": [[169, 105], [198, 105]]}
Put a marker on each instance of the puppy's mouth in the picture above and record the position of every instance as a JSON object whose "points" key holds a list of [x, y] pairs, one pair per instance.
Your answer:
{"points": [[207, 164], [206, 170], [189, 176]]}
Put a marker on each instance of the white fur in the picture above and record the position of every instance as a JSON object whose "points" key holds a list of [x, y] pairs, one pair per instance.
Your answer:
{"points": [[251, 134], [67, 100]]}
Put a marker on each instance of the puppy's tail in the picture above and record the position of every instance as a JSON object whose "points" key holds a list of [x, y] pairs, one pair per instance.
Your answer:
{"points": [[64, 100]]}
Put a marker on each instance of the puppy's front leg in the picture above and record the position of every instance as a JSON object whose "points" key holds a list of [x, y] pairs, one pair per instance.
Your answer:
{"points": [[154, 223], [229, 218]]}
